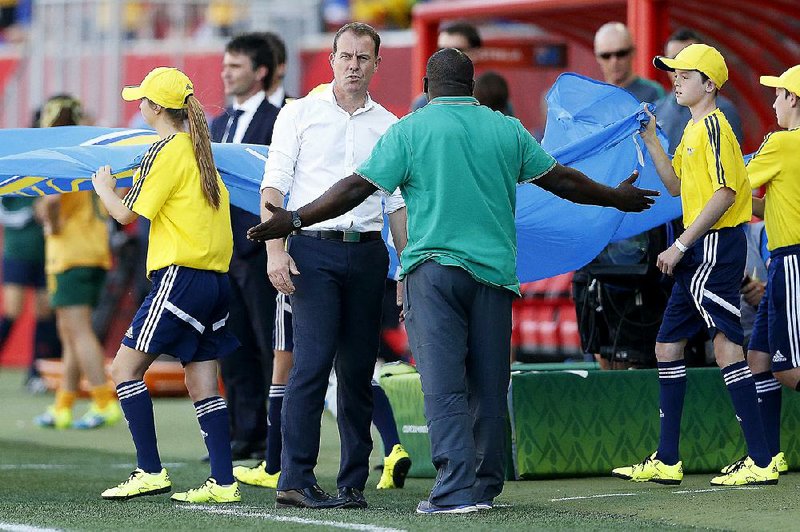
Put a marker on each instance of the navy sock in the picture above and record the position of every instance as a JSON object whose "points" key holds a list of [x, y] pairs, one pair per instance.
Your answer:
{"points": [[742, 388], [672, 386], [274, 433], [46, 343], [770, 398], [383, 417], [5, 328], [212, 414], [138, 409]]}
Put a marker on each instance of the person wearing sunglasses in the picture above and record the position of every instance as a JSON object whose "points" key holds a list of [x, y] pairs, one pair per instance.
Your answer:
{"points": [[613, 48]]}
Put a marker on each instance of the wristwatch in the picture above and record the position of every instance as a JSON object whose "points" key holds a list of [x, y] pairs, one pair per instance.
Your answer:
{"points": [[297, 223]]}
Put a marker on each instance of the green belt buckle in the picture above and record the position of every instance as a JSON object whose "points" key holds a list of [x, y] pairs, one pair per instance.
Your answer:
{"points": [[351, 236]]}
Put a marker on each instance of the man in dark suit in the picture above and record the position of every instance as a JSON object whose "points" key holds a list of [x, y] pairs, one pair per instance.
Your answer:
{"points": [[247, 70]]}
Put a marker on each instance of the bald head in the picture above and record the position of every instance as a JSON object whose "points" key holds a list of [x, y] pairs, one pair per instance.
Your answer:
{"points": [[613, 48], [449, 73]]}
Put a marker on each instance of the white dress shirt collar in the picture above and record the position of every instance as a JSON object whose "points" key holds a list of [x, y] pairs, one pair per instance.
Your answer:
{"points": [[277, 97], [249, 106]]}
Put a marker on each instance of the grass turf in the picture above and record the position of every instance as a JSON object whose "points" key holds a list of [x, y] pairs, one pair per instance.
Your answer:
{"points": [[53, 479]]}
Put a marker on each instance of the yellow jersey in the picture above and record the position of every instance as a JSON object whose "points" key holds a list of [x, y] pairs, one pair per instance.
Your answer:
{"points": [[709, 158], [776, 164], [184, 229], [82, 237]]}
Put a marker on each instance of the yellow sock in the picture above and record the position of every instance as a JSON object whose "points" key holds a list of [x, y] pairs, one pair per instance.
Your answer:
{"points": [[102, 395], [64, 399]]}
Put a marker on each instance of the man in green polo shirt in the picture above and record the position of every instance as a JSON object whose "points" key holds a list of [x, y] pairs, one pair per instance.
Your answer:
{"points": [[457, 165]]}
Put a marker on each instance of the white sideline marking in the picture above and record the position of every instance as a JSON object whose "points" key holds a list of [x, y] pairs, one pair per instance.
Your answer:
{"points": [[604, 495], [14, 527], [678, 492], [248, 512], [725, 488]]}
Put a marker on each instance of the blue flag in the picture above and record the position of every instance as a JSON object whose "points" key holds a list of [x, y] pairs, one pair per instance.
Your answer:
{"points": [[593, 127]]}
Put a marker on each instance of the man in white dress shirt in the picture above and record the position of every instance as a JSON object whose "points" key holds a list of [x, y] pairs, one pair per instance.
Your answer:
{"points": [[334, 271]]}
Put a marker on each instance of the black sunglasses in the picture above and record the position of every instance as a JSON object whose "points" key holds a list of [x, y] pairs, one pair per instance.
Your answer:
{"points": [[619, 54]]}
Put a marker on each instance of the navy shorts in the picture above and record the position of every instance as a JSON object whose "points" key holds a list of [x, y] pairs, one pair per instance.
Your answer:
{"points": [[23, 272], [185, 315], [706, 291], [282, 336], [778, 316]]}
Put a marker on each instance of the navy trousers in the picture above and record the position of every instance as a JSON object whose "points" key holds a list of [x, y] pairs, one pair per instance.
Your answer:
{"points": [[247, 371], [336, 311], [459, 331]]}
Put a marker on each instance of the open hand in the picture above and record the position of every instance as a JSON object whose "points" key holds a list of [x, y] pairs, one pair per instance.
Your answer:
{"points": [[280, 268], [633, 199], [278, 226]]}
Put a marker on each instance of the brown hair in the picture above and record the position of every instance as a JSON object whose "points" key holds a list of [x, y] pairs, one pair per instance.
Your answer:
{"points": [[201, 142], [359, 29]]}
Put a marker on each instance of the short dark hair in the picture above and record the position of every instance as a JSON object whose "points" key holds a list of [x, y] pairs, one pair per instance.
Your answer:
{"points": [[491, 90], [466, 30], [685, 34], [360, 29], [278, 47], [258, 49], [450, 73]]}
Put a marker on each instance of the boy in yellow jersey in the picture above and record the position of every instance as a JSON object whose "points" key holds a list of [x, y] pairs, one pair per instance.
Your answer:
{"points": [[774, 349], [77, 256], [707, 261], [178, 189]]}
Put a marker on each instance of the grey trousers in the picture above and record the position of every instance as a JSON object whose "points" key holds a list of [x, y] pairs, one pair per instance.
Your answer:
{"points": [[459, 332]]}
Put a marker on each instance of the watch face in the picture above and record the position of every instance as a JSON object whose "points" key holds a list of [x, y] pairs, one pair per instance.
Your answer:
{"points": [[296, 222]]}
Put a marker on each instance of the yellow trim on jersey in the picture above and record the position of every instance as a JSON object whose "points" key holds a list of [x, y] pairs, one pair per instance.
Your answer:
{"points": [[82, 239], [709, 158], [776, 164], [184, 230]]}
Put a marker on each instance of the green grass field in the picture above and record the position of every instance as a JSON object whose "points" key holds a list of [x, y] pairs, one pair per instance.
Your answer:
{"points": [[53, 479]]}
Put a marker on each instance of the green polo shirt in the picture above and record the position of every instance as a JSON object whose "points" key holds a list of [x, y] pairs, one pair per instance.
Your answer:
{"points": [[457, 165]]}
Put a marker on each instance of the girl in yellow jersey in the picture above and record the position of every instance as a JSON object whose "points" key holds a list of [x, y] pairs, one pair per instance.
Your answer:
{"points": [[77, 256], [774, 350], [178, 189]]}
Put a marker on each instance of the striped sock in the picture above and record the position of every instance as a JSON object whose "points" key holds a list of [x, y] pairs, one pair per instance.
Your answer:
{"points": [[138, 409], [383, 418], [274, 433], [212, 414], [768, 390], [742, 388], [672, 390]]}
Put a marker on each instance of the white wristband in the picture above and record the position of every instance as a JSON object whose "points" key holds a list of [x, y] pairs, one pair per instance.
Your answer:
{"points": [[680, 246]]}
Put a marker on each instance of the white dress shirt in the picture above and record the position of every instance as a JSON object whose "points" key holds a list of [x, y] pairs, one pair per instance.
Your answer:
{"points": [[316, 143], [249, 106], [277, 97]]}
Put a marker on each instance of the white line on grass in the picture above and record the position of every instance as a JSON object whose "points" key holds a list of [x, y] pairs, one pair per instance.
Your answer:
{"points": [[252, 512], [14, 527], [602, 496], [680, 492]]}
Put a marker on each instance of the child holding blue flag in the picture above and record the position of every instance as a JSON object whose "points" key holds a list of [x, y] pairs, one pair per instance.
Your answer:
{"points": [[708, 262], [178, 189]]}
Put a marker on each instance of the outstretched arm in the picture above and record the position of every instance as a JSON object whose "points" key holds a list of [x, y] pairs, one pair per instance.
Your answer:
{"points": [[104, 183], [574, 186], [345, 195]]}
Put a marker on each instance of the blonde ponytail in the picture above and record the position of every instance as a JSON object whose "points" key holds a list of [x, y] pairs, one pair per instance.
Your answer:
{"points": [[201, 141]]}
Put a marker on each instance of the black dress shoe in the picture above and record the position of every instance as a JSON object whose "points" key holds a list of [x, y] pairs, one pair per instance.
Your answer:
{"points": [[352, 498], [313, 497]]}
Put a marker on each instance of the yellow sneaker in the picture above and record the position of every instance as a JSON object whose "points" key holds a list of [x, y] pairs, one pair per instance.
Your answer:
{"points": [[55, 418], [99, 417], [256, 476], [746, 473], [780, 461], [651, 469], [395, 469], [139, 484], [210, 492]]}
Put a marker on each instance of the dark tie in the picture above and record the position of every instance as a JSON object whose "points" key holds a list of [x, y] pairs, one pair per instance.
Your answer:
{"points": [[230, 128]]}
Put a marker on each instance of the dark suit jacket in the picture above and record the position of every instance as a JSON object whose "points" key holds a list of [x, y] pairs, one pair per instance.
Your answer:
{"points": [[258, 132]]}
